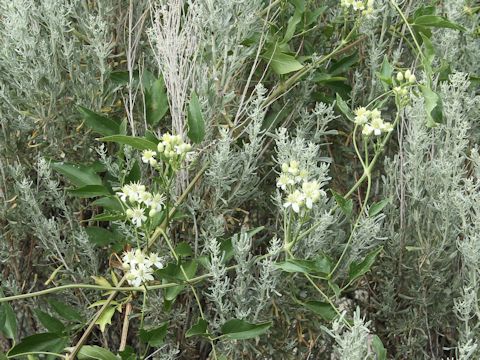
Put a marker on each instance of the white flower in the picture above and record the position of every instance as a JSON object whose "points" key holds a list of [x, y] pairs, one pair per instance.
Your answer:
{"points": [[139, 266], [311, 192], [156, 260], [128, 259], [145, 197], [132, 192], [358, 5], [148, 157], [302, 175], [293, 168], [367, 130], [377, 126], [375, 114], [295, 201], [362, 115], [139, 275], [136, 215], [387, 126], [283, 181], [157, 202], [125, 193]]}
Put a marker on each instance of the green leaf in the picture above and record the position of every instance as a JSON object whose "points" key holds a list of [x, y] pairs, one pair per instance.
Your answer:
{"points": [[109, 203], [379, 349], [429, 53], [98, 123], [95, 352], [133, 141], [134, 175], [66, 311], [386, 73], [154, 337], [50, 342], [79, 175], [128, 353], [99, 236], [148, 79], [156, 102], [343, 65], [320, 265], [327, 78], [49, 322], [359, 269], [184, 249], [292, 25], [196, 124], [89, 191], [424, 10], [237, 329], [343, 107], [173, 273], [199, 329], [8, 321], [108, 217], [226, 247], [282, 63], [345, 205], [322, 309], [433, 106], [105, 318], [437, 22], [377, 207]]}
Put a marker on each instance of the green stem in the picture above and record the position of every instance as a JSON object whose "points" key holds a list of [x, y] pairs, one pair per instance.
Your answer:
{"points": [[355, 225], [195, 294], [37, 353], [402, 15], [359, 181], [309, 278], [174, 208], [107, 288], [305, 70]]}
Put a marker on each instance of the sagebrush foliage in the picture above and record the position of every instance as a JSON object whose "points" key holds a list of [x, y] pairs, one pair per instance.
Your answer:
{"points": [[318, 197]]}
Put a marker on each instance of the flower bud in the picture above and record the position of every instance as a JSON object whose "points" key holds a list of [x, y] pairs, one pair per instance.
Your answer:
{"points": [[412, 79], [399, 76], [408, 73]]}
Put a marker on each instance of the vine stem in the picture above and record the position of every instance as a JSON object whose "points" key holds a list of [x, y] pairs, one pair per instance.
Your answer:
{"points": [[355, 225], [108, 288], [402, 15], [309, 278], [163, 225], [362, 178], [195, 294], [37, 353], [91, 325]]}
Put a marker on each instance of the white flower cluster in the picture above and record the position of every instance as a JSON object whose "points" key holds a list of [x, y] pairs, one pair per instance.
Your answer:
{"points": [[139, 267], [366, 7], [372, 122], [138, 201], [171, 148], [302, 196], [404, 78]]}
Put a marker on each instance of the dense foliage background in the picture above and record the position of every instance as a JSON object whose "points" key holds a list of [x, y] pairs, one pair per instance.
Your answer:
{"points": [[320, 197]]}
